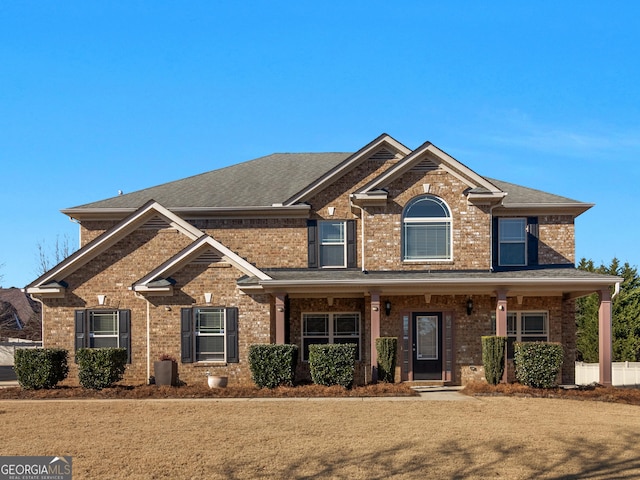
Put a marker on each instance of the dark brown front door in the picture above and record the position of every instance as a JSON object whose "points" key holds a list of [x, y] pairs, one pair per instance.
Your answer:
{"points": [[427, 346]]}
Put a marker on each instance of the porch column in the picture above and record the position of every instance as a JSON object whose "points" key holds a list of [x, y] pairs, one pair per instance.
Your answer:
{"points": [[501, 324], [604, 337], [375, 333], [280, 318]]}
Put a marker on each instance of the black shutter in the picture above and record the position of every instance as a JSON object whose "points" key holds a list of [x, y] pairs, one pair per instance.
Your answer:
{"points": [[232, 335], [81, 330], [124, 331], [312, 243], [533, 233], [495, 262], [351, 244], [186, 335]]}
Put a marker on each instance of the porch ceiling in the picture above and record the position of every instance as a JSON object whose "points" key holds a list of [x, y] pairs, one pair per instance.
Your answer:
{"points": [[348, 283]]}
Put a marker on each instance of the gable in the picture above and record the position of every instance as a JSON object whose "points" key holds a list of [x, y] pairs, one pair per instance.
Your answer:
{"points": [[150, 215], [204, 250]]}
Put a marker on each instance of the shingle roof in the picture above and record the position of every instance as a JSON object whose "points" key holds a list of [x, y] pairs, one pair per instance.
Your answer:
{"points": [[518, 194], [261, 182], [271, 180]]}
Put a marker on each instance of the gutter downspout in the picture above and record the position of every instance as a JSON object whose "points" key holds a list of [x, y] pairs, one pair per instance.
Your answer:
{"points": [[616, 290], [142, 297]]}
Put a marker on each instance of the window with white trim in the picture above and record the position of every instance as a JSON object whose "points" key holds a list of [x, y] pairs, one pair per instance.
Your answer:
{"points": [[426, 230], [324, 328], [525, 327], [210, 335], [333, 244], [512, 241], [103, 329]]}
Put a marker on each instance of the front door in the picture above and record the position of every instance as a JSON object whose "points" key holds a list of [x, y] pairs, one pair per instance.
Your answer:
{"points": [[427, 354]]}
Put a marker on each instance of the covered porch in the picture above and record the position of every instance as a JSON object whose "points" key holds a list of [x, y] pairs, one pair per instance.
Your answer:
{"points": [[438, 317]]}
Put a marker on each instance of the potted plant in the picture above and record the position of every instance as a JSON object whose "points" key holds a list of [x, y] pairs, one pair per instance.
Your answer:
{"points": [[216, 381], [165, 370]]}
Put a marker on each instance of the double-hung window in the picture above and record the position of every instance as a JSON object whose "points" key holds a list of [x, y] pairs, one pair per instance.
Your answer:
{"points": [[512, 241], [331, 243], [525, 327], [426, 224], [103, 328], [323, 328], [209, 334]]}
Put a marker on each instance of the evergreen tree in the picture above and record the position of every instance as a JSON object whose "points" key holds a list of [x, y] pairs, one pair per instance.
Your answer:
{"points": [[625, 312]]}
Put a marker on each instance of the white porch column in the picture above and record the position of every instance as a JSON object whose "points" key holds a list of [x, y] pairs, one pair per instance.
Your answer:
{"points": [[375, 333], [280, 336], [605, 342]]}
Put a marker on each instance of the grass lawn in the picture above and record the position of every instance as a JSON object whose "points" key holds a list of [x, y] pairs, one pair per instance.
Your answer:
{"points": [[350, 438]]}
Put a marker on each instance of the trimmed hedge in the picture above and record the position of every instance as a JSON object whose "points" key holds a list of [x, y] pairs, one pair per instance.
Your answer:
{"points": [[538, 363], [333, 364], [101, 367], [273, 365], [493, 352], [38, 368], [387, 348]]}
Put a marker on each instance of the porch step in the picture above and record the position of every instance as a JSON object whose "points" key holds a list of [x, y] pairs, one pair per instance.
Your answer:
{"points": [[436, 388]]}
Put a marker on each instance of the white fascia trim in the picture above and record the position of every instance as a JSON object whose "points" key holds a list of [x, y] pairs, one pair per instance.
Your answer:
{"points": [[360, 155], [273, 211], [186, 255], [57, 292], [445, 161], [110, 237], [501, 282], [145, 289]]}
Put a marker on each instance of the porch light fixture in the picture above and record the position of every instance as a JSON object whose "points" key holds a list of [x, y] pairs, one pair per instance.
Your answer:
{"points": [[469, 306], [387, 308]]}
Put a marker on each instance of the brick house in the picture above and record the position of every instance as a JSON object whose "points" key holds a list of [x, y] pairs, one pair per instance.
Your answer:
{"points": [[323, 248]]}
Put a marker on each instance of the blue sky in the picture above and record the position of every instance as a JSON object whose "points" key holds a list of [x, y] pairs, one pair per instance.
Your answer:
{"points": [[97, 97]]}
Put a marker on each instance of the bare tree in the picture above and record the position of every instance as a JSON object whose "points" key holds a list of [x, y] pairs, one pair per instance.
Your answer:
{"points": [[50, 257]]}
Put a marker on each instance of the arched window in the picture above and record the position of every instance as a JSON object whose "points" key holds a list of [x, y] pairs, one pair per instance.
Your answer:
{"points": [[426, 229]]}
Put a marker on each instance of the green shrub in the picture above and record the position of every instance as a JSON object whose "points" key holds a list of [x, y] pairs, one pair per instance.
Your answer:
{"points": [[273, 365], [101, 367], [538, 363], [387, 348], [493, 351], [333, 364], [38, 368]]}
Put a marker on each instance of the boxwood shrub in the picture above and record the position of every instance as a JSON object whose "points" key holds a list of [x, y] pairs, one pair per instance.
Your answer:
{"points": [[101, 367], [38, 368], [493, 351], [273, 365], [387, 348], [333, 364], [538, 363]]}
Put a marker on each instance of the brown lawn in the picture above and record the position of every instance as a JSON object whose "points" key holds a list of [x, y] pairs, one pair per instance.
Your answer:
{"points": [[344, 438]]}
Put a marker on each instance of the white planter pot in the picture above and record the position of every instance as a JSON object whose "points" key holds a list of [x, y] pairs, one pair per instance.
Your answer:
{"points": [[217, 381]]}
